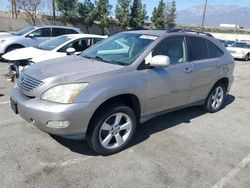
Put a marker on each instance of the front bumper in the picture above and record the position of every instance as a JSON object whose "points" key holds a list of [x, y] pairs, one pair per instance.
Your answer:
{"points": [[40, 112], [238, 56]]}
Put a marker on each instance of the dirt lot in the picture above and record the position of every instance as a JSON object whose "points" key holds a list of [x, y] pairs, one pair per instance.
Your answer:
{"points": [[187, 148]]}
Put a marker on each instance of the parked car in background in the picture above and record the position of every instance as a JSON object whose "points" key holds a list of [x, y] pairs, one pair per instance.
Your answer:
{"points": [[53, 48], [240, 50], [227, 43], [32, 36], [129, 77]]}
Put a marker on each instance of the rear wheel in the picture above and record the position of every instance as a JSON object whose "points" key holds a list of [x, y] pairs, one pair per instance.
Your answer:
{"points": [[112, 129], [215, 99]]}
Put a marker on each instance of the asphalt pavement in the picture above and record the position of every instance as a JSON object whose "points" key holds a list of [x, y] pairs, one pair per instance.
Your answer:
{"points": [[186, 148]]}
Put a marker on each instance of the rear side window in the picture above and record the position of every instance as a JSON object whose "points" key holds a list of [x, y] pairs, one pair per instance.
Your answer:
{"points": [[197, 49], [214, 51], [58, 31], [70, 31]]}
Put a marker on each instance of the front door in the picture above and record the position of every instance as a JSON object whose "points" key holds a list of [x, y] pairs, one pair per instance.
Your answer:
{"points": [[169, 87]]}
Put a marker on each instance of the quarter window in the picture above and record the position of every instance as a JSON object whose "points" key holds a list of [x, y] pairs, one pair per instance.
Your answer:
{"points": [[197, 49], [213, 50], [174, 48]]}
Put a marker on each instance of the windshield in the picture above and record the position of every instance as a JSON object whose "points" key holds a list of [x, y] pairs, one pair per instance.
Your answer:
{"points": [[54, 43], [24, 31], [241, 45], [122, 48]]}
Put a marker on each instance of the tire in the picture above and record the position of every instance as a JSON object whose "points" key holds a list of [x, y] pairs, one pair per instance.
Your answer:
{"points": [[247, 57], [107, 137], [215, 99], [13, 47]]}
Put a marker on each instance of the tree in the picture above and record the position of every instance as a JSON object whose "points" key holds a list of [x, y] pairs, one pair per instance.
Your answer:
{"points": [[171, 15], [87, 13], [102, 13], [158, 17], [30, 8], [122, 13], [138, 14], [68, 10]]}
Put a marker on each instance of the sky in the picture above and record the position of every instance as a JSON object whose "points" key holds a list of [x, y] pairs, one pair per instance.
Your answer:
{"points": [[150, 4]]}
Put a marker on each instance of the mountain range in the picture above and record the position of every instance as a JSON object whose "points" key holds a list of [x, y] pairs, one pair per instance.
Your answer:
{"points": [[215, 15]]}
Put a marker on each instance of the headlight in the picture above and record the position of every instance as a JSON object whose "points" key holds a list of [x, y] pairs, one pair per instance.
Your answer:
{"points": [[65, 93]]}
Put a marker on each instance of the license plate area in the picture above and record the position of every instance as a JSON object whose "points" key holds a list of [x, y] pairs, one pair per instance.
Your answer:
{"points": [[13, 106]]}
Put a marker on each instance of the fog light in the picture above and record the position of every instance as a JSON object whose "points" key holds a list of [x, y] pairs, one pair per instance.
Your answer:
{"points": [[58, 124]]}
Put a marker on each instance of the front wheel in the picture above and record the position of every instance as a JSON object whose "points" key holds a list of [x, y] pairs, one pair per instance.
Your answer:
{"points": [[215, 99], [112, 130], [247, 57]]}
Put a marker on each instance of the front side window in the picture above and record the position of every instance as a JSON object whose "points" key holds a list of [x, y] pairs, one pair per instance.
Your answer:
{"points": [[42, 32], [174, 48], [122, 48], [78, 45], [197, 49], [53, 43], [241, 45]]}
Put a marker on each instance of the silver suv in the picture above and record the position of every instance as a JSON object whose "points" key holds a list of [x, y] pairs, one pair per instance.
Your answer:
{"points": [[32, 36], [106, 91]]}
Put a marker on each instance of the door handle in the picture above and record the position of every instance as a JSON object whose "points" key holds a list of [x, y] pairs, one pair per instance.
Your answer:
{"points": [[188, 70]]}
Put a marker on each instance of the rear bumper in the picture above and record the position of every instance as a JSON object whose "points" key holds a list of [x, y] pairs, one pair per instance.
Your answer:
{"points": [[40, 112]]}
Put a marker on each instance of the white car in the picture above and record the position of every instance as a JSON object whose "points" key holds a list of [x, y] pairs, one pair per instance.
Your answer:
{"points": [[240, 50], [53, 48]]}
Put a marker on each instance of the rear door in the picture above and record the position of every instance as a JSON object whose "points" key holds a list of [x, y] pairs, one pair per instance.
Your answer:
{"points": [[205, 57], [169, 87]]}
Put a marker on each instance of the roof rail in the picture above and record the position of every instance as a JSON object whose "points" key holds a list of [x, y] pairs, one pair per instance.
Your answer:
{"points": [[189, 31]]}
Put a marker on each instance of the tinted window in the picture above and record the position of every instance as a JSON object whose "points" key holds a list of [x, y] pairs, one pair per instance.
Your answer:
{"points": [[70, 31], [43, 32], [58, 31], [174, 48], [213, 50], [197, 49]]}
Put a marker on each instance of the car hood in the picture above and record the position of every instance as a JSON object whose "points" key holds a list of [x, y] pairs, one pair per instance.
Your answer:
{"points": [[6, 35], [69, 69], [23, 53]]}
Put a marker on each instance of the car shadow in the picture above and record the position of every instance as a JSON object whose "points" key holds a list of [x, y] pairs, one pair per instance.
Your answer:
{"points": [[79, 145]]}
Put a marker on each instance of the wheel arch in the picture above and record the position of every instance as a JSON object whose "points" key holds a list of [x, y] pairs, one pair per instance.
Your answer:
{"points": [[129, 100], [14, 44]]}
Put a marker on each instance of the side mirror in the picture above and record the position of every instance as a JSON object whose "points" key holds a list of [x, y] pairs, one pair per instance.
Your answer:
{"points": [[160, 61], [70, 51], [31, 35]]}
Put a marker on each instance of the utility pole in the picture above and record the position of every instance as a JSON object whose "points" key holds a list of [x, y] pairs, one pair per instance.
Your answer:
{"points": [[203, 17], [54, 10]]}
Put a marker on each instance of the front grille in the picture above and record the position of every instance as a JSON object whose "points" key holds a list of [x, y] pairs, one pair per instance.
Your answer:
{"points": [[28, 83]]}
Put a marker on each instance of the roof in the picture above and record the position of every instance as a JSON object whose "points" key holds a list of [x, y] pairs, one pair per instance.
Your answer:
{"points": [[148, 32], [86, 36], [57, 26]]}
